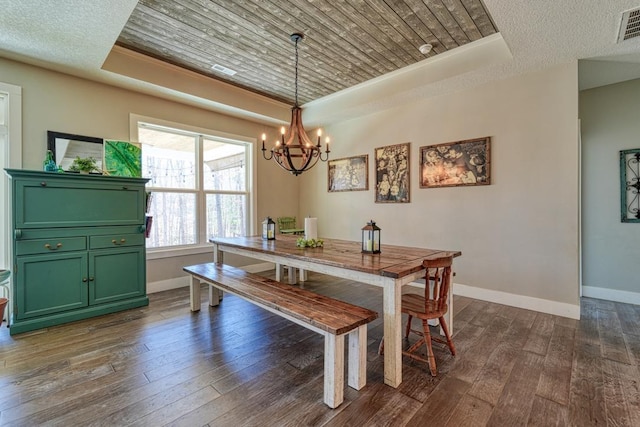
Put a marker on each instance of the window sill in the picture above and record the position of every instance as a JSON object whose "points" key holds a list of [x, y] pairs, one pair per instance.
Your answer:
{"points": [[161, 253]]}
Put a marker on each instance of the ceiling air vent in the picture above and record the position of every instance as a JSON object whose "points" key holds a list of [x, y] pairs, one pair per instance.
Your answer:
{"points": [[222, 69], [630, 25]]}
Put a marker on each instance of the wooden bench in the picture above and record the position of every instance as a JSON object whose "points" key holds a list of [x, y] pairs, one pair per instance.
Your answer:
{"points": [[327, 316]]}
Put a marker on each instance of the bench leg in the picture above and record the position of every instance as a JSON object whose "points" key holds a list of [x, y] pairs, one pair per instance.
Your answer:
{"points": [[357, 368], [214, 296], [194, 294], [333, 370]]}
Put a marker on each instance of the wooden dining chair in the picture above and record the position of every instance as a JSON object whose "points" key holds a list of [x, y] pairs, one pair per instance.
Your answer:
{"points": [[433, 305]]}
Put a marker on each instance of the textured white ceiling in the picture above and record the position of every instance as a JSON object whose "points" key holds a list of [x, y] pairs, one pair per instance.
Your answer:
{"points": [[77, 36]]}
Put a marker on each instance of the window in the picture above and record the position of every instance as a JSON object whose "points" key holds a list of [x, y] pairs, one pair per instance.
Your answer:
{"points": [[199, 184], [10, 157]]}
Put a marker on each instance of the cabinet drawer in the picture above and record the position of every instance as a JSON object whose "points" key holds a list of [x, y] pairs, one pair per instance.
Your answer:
{"points": [[43, 246], [116, 241]]}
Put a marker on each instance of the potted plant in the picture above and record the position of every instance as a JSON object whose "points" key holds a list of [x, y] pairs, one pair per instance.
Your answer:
{"points": [[84, 165]]}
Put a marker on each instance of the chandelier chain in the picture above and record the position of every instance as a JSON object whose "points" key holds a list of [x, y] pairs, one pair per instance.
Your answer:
{"points": [[296, 86]]}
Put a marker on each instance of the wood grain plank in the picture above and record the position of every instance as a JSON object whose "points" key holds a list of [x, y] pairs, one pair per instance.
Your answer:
{"points": [[587, 405], [470, 412], [546, 413], [462, 17], [480, 17], [441, 402], [540, 336], [621, 393], [498, 368], [515, 402], [555, 379]]}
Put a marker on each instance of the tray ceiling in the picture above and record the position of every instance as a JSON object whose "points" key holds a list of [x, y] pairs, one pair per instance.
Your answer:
{"points": [[346, 42]]}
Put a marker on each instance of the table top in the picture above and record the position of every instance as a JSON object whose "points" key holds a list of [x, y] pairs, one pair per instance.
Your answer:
{"points": [[393, 261]]}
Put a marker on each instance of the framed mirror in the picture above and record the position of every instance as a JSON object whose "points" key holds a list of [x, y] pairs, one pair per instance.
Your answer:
{"points": [[66, 147]]}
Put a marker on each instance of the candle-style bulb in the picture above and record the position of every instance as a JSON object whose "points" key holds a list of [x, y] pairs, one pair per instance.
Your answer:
{"points": [[264, 136], [282, 130], [319, 132]]}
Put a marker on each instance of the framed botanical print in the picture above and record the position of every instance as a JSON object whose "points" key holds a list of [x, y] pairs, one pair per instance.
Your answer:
{"points": [[349, 174], [455, 164], [392, 173]]}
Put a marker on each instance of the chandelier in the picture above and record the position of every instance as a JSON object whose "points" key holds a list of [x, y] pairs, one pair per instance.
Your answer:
{"points": [[294, 151]]}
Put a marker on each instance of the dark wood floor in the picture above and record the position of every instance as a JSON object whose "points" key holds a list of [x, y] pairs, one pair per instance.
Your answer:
{"points": [[238, 365]]}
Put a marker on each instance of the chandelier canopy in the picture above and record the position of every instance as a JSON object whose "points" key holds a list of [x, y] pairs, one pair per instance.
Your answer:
{"points": [[294, 151]]}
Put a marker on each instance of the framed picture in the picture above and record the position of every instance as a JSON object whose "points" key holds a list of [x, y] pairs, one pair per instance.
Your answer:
{"points": [[66, 147], [455, 164], [392, 173], [349, 174], [122, 158], [630, 185]]}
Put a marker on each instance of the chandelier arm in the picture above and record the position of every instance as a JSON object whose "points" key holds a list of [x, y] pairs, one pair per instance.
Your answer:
{"points": [[265, 156]]}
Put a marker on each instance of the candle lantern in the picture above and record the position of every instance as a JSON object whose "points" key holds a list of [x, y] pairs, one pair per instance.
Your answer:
{"points": [[371, 238], [268, 229]]}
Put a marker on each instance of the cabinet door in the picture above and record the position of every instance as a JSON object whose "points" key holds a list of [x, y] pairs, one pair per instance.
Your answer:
{"points": [[116, 274], [63, 203], [51, 283]]}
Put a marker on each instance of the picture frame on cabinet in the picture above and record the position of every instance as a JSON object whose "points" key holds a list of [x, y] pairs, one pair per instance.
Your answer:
{"points": [[66, 147]]}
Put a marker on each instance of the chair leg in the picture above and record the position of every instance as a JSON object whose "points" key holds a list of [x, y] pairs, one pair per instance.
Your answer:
{"points": [[445, 329], [408, 329], [381, 347], [432, 358]]}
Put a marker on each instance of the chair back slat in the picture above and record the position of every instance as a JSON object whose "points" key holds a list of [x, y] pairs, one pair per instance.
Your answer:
{"points": [[437, 282], [286, 222]]}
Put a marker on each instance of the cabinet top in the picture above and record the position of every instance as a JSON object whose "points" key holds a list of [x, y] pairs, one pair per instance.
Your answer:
{"points": [[23, 173]]}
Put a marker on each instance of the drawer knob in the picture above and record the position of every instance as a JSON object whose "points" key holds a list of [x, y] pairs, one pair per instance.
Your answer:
{"points": [[91, 279], [43, 183], [51, 248], [115, 242], [84, 279]]}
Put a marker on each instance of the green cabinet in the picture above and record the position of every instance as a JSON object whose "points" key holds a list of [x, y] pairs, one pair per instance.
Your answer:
{"points": [[79, 247]]}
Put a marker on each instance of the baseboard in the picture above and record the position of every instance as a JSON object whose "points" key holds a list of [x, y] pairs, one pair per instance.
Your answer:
{"points": [[184, 281], [165, 285], [520, 301], [611, 295]]}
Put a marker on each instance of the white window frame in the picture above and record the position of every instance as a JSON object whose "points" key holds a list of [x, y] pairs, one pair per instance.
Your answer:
{"points": [[10, 157], [202, 246]]}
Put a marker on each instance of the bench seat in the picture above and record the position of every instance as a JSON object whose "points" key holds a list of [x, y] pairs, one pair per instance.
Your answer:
{"points": [[330, 317]]}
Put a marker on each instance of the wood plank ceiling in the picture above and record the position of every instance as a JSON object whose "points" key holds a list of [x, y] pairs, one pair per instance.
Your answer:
{"points": [[346, 41]]}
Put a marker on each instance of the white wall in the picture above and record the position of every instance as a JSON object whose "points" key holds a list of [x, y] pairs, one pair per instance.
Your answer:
{"points": [[63, 103], [609, 117], [518, 236]]}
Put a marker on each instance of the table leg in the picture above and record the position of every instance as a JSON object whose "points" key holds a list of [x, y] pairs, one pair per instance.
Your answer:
{"points": [[218, 255], [215, 295], [194, 292], [292, 275], [392, 333]]}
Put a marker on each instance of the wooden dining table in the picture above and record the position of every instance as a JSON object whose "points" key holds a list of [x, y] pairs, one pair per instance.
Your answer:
{"points": [[391, 269]]}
